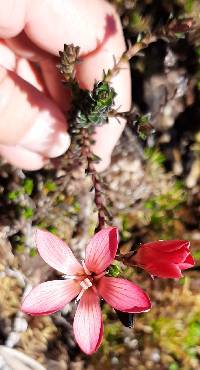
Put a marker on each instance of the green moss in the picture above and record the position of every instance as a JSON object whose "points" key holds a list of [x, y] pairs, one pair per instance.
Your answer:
{"points": [[28, 186], [50, 186], [174, 366], [112, 338], [188, 5], [154, 156], [124, 232], [20, 248], [76, 206], [33, 252], [52, 229], [27, 212], [175, 326], [196, 254], [162, 209], [13, 195]]}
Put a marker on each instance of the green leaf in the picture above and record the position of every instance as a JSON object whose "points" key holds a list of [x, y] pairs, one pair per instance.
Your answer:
{"points": [[20, 248], [77, 206], [114, 270], [52, 229], [33, 252], [154, 155], [27, 212], [28, 186], [13, 195], [196, 255], [188, 5], [50, 186], [173, 366]]}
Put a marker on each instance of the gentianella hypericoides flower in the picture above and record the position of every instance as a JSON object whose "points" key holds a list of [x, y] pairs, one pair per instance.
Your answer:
{"points": [[87, 282], [164, 258]]}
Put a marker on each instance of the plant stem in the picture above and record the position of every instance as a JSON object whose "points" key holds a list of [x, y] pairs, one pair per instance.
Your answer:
{"points": [[98, 199], [128, 54]]}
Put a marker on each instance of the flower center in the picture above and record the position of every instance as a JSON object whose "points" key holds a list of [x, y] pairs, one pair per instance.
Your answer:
{"points": [[88, 280], [86, 283]]}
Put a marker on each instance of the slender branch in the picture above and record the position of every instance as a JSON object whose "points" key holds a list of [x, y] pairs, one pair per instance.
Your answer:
{"points": [[167, 32], [98, 199], [128, 54]]}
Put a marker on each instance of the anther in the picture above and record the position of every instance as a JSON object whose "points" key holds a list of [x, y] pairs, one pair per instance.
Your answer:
{"points": [[86, 283]]}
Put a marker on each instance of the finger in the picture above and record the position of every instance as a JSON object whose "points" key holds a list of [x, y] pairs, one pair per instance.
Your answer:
{"points": [[52, 77], [52, 23], [23, 158], [29, 119], [7, 57], [12, 17], [20, 66], [106, 138], [23, 47], [30, 73]]}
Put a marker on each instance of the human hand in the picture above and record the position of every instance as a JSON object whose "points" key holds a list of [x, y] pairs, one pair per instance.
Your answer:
{"points": [[32, 98]]}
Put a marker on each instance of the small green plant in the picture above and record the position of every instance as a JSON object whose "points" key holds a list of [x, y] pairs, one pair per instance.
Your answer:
{"points": [[114, 270], [161, 210], [33, 252], [28, 186], [154, 156], [27, 212], [50, 186], [188, 5], [13, 195], [174, 366]]}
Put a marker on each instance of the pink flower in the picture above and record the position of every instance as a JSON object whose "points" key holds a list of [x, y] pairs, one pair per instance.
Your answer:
{"points": [[165, 259], [87, 282]]}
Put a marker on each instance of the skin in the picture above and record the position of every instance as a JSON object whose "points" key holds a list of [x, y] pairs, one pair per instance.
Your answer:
{"points": [[33, 101]]}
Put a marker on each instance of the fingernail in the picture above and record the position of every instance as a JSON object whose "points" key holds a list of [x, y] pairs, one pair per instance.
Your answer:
{"points": [[47, 136]]}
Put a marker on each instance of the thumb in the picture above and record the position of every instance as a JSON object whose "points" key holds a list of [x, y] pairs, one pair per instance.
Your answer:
{"points": [[32, 127]]}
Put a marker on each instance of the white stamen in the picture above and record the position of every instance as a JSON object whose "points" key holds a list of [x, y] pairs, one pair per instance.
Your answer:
{"points": [[83, 285], [86, 283], [79, 296], [86, 269]]}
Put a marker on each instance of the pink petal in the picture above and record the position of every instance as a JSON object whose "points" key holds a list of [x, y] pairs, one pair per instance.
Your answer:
{"points": [[123, 295], [50, 297], [168, 245], [56, 253], [172, 251], [187, 264], [88, 328], [101, 250], [175, 257], [164, 270], [146, 255]]}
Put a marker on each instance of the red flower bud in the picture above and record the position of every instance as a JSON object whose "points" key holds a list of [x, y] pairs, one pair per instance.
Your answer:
{"points": [[165, 259]]}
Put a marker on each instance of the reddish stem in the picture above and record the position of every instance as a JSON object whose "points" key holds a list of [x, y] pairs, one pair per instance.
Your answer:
{"points": [[98, 199]]}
